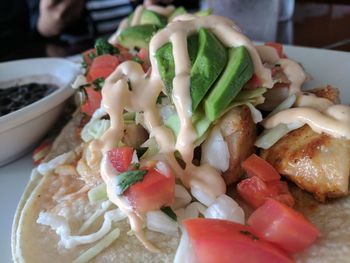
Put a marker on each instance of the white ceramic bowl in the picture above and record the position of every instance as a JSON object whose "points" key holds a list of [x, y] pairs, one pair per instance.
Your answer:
{"points": [[21, 129]]}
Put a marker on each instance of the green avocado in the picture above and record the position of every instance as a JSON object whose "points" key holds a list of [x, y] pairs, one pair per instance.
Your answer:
{"points": [[238, 71], [210, 61], [165, 61], [178, 11], [137, 36], [208, 58], [150, 17]]}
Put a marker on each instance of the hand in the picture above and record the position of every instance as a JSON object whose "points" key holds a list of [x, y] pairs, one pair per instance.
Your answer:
{"points": [[56, 15]]}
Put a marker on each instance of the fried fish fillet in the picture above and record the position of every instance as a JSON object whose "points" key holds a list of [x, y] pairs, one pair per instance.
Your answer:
{"points": [[239, 132], [317, 163]]}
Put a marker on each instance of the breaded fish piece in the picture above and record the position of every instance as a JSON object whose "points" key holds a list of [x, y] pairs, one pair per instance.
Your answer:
{"points": [[239, 132], [317, 163]]}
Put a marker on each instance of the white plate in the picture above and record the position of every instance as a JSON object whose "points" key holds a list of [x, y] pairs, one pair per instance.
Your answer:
{"points": [[326, 67]]}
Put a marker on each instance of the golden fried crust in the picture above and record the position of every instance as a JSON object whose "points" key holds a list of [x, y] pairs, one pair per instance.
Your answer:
{"points": [[328, 92], [316, 162], [239, 132]]}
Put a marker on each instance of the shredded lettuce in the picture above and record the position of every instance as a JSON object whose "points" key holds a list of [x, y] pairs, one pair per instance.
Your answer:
{"points": [[92, 252], [94, 129], [98, 193]]}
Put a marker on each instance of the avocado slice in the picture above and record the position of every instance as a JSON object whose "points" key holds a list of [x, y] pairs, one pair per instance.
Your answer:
{"points": [[210, 61], [208, 58], [238, 71], [137, 36], [178, 11], [150, 17], [165, 61], [200, 123]]}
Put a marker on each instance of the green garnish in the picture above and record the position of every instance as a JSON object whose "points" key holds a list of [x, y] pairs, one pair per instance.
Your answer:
{"points": [[169, 212], [99, 82], [91, 55], [103, 47], [124, 180], [138, 60]]}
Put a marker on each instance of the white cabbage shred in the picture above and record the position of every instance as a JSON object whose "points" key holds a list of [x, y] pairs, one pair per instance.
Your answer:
{"points": [[66, 158], [60, 225]]}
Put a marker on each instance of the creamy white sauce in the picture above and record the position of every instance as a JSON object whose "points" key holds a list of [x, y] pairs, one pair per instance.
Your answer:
{"points": [[295, 74], [142, 98], [319, 113]]}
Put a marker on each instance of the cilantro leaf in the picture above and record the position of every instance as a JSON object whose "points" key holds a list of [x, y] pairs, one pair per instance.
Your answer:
{"points": [[103, 47], [169, 212], [124, 180], [99, 82]]}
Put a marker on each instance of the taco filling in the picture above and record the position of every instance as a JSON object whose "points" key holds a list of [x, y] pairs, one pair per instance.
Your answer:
{"points": [[167, 124]]}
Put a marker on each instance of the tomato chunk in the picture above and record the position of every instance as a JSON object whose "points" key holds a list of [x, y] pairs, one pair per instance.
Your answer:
{"points": [[86, 56], [278, 47], [255, 191], [92, 102], [120, 158], [102, 66], [257, 166], [156, 190], [215, 240], [283, 226]]}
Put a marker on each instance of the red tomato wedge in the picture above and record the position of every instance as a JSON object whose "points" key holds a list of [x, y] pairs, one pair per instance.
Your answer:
{"points": [[86, 56], [254, 82], [156, 190], [102, 66], [278, 47], [255, 191], [215, 240], [120, 158], [92, 102], [257, 166], [283, 226]]}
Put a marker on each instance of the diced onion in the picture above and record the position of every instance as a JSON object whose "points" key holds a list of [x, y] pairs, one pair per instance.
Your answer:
{"points": [[182, 197], [184, 252], [201, 196], [193, 210], [79, 81], [92, 252], [158, 221], [215, 151], [225, 208], [256, 114]]}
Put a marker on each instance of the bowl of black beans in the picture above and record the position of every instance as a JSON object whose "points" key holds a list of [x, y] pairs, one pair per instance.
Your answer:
{"points": [[32, 96]]}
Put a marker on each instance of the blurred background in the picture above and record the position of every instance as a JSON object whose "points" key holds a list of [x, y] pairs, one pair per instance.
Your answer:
{"points": [[37, 28]]}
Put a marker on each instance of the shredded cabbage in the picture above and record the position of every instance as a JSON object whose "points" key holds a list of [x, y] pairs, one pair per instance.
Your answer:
{"points": [[104, 206], [46, 168], [286, 104], [92, 252], [215, 151], [98, 193], [60, 225], [94, 129]]}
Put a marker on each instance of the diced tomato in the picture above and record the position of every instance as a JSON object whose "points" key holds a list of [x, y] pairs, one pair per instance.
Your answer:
{"points": [[257, 166], [283, 226], [93, 101], [255, 191], [102, 66], [278, 47], [86, 56], [120, 158], [215, 240], [156, 190]]}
